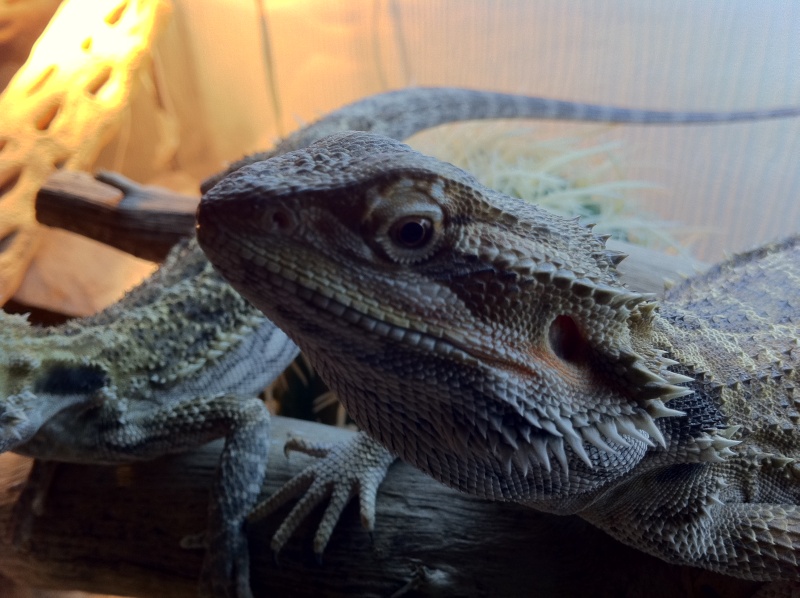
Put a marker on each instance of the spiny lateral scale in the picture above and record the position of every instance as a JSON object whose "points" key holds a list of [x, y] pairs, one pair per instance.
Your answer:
{"points": [[490, 344]]}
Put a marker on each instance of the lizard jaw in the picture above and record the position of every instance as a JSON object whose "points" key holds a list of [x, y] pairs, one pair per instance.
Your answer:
{"points": [[541, 434], [297, 256]]}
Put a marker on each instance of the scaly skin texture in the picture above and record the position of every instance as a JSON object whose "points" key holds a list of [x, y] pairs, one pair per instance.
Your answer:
{"points": [[178, 361], [491, 345]]}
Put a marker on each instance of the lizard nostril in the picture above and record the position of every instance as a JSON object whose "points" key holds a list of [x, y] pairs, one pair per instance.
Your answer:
{"points": [[280, 220], [277, 220], [566, 340]]}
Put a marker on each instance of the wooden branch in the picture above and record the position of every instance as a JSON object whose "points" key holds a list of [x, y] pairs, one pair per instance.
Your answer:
{"points": [[145, 221], [117, 530]]}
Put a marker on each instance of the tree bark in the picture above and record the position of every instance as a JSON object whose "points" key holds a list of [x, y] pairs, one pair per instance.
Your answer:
{"points": [[142, 220], [117, 530]]}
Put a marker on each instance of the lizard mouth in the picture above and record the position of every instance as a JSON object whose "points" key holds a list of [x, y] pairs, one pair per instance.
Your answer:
{"points": [[544, 432], [344, 308], [544, 426]]}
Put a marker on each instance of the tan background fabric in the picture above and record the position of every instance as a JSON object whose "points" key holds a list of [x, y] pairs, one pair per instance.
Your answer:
{"points": [[738, 183], [215, 91]]}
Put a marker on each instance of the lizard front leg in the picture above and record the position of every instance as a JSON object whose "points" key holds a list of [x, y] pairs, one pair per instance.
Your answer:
{"points": [[689, 514], [344, 470], [120, 432], [242, 467]]}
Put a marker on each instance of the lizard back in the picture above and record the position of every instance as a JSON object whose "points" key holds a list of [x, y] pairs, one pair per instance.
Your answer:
{"points": [[736, 330]]}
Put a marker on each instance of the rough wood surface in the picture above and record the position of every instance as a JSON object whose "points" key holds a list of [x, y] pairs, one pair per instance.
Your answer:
{"points": [[117, 530], [145, 221]]}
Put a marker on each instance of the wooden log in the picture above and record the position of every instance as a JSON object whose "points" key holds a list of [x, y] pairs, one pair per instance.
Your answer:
{"points": [[142, 220], [117, 530]]}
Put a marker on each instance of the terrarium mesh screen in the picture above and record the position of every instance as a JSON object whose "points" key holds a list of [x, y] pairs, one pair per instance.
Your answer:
{"points": [[228, 77]]}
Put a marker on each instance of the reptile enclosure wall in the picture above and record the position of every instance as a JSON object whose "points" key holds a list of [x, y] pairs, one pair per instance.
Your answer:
{"points": [[167, 92]]}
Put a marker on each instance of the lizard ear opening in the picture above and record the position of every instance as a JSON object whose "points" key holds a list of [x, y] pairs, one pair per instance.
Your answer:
{"points": [[71, 379], [566, 340]]}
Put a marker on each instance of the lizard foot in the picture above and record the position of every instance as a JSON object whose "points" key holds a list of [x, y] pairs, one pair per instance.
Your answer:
{"points": [[226, 569], [31, 502], [357, 466]]}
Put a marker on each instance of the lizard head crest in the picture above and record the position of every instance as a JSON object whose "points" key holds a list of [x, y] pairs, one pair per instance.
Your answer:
{"points": [[471, 317]]}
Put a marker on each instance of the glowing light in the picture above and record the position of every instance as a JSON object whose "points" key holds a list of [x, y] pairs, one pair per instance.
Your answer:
{"points": [[62, 106]]}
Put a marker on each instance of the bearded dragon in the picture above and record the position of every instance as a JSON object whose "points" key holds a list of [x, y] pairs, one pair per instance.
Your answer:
{"points": [[179, 361], [491, 345]]}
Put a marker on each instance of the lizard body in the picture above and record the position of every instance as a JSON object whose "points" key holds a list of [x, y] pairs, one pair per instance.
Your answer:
{"points": [[400, 114], [178, 361], [491, 344]]}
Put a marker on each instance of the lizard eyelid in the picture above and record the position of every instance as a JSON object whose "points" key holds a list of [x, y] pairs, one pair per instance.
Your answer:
{"points": [[410, 238]]}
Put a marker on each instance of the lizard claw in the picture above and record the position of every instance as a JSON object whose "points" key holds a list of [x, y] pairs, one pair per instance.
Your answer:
{"points": [[313, 449], [354, 467]]}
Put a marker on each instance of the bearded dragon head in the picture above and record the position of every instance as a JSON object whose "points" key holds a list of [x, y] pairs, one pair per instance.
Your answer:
{"points": [[475, 335]]}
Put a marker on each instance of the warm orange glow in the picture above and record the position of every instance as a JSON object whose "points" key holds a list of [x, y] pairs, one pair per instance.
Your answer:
{"points": [[62, 106], [285, 4]]}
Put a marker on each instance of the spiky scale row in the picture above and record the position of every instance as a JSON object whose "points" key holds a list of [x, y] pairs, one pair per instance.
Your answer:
{"points": [[714, 447]]}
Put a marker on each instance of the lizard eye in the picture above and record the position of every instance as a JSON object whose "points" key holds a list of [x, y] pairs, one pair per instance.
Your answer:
{"points": [[405, 225], [412, 232]]}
